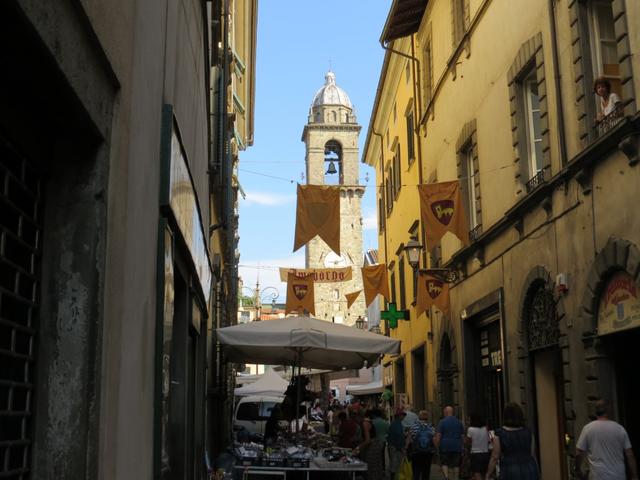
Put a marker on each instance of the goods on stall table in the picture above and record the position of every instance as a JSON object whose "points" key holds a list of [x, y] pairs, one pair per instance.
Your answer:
{"points": [[274, 458], [248, 454]]}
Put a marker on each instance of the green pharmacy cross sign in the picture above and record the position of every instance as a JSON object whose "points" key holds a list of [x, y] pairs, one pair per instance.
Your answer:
{"points": [[392, 315]]}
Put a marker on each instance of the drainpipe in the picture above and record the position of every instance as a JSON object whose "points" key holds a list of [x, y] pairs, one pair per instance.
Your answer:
{"points": [[557, 85]]}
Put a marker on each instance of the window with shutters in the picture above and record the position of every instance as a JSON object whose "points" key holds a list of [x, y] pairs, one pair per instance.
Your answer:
{"points": [[410, 137]]}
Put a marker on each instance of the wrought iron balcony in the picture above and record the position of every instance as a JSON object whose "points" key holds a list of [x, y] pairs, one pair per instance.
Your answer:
{"points": [[605, 124], [535, 181]]}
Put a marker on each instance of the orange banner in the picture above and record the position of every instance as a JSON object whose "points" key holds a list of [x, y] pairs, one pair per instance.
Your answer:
{"points": [[375, 281], [351, 297], [442, 211], [300, 296], [320, 275], [318, 213], [432, 291]]}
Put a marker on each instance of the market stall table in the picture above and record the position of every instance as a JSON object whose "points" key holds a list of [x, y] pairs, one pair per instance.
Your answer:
{"points": [[317, 465]]}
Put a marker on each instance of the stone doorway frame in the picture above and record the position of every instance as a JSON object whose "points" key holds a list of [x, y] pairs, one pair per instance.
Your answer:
{"points": [[618, 255]]}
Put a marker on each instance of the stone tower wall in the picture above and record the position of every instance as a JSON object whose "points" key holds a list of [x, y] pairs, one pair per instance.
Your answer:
{"points": [[337, 123]]}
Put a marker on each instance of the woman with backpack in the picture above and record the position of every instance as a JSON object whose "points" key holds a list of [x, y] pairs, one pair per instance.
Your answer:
{"points": [[421, 436]]}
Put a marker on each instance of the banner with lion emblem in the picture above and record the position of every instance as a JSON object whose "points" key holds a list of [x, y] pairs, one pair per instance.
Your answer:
{"points": [[432, 291], [442, 211], [300, 295]]}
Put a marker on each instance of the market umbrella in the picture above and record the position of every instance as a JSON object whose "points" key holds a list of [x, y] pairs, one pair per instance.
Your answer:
{"points": [[269, 384], [304, 342]]}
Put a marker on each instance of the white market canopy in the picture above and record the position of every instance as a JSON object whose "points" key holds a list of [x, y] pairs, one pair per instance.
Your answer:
{"points": [[304, 341], [269, 384], [366, 388]]}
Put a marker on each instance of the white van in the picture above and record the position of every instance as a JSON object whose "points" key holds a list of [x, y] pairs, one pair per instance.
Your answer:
{"points": [[252, 413]]}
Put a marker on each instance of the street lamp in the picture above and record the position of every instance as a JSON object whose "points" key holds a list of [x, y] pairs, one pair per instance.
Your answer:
{"points": [[261, 296], [413, 249]]}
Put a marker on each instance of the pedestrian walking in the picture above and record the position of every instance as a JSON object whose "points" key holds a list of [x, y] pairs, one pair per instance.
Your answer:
{"points": [[371, 449], [449, 440], [348, 431], [410, 417], [512, 448], [396, 439], [421, 436], [606, 445], [478, 438]]}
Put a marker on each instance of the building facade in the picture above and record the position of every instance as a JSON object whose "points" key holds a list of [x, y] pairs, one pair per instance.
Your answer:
{"points": [[392, 149], [542, 309], [117, 232], [331, 142]]}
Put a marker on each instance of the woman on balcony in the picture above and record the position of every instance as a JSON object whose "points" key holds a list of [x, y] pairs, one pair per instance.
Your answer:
{"points": [[609, 101]]}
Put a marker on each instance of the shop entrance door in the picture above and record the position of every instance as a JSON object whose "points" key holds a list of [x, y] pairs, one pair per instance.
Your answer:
{"points": [[484, 378], [624, 351], [20, 247], [548, 382], [419, 379]]}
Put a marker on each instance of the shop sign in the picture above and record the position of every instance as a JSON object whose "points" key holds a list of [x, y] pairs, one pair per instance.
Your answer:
{"points": [[619, 305], [320, 275]]}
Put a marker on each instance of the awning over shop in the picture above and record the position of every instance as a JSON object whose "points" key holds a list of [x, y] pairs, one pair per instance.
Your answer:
{"points": [[366, 388]]}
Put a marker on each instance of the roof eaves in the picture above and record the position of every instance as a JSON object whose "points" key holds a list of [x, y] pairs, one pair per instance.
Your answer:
{"points": [[404, 19]]}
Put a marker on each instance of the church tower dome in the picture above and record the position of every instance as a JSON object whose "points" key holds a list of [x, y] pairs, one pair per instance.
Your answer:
{"points": [[330, 93]]}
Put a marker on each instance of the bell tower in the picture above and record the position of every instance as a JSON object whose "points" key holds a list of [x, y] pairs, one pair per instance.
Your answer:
{"points": [[332, 158]]}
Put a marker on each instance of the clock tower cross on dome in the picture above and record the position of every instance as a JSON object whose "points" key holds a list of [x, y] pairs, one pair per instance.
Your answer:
{"points": [[332, 158]]}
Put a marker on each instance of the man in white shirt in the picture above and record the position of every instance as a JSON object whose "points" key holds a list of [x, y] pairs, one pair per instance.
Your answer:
{"points": [[606, 445]]}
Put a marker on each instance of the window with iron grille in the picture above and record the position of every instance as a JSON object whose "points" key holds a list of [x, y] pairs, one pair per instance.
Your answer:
{"points": [[20, 237]]}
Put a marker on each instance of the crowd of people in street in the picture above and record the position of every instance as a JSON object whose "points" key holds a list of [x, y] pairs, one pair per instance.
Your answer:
{"points": [[405, 446]]}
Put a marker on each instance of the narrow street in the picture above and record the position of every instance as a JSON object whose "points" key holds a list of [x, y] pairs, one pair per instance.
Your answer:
{"points": [[280, 233]]}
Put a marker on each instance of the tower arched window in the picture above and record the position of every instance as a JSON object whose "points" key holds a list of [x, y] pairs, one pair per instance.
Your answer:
{"points": [[333, 163]]}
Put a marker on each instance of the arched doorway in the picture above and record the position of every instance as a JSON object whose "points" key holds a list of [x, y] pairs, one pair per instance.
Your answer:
{"points": [[542, 336], [618, 328], [446, 372], [611, 332]]}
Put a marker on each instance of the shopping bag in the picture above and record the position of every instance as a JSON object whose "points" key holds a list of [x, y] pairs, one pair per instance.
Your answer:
{"points": [[405, 472]]}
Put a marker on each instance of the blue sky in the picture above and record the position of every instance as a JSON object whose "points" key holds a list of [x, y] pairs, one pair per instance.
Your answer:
{"points": [[298, 41]]}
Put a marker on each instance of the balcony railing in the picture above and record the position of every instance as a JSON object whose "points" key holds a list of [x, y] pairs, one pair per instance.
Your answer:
{"points": [[609, 121], [535, 181], [475, 232]]}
